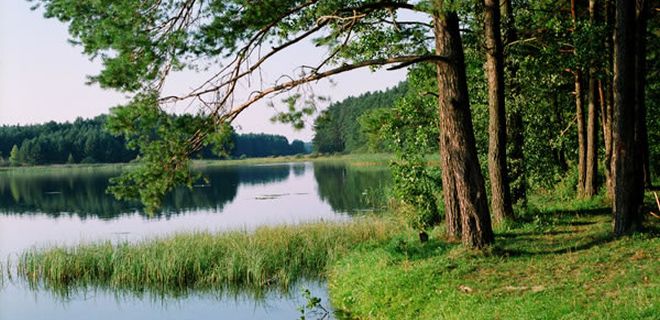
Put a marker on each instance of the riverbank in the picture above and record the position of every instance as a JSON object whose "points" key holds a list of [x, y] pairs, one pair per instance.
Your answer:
{"points": [[561, 262], [362, 160], [558, 261]]}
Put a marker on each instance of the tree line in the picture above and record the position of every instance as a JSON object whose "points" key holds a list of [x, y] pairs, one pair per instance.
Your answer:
{"points": [[339, 128], [87, 141], [564, 72]]}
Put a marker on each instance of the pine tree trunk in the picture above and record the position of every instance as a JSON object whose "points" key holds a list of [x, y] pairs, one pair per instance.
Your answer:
{"points": [[515, 125], [606, 121], [641, 132], [452, 209], [581, 133], [499, 180], [607, 98], [579, 112], [460, 152], [626, 173], [591, 174]]}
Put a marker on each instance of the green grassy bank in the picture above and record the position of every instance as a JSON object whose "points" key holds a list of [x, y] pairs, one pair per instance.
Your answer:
{"points": [[561, 263], [248, 261], [363, 160]]}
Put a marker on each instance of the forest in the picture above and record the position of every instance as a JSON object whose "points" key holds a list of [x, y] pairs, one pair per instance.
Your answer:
{"points": [[87, 141]]}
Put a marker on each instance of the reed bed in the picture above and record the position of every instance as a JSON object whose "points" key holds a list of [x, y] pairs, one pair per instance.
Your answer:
{"points": [[264, 258]]}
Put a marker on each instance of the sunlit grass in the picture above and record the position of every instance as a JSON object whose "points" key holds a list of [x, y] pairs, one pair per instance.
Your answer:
{"points": [[559, 262], [65, 169], [240, 260]]}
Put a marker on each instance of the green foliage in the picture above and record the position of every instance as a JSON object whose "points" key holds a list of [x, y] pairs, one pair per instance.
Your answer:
{"points": [[411, 131], [312, 306], [296, 115], [264, 145], [15, 156], [339, 128], [164, 145], [54, 143]]}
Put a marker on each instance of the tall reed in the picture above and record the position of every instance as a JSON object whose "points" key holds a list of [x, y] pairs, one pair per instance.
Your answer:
{"points": [[264, 258]]}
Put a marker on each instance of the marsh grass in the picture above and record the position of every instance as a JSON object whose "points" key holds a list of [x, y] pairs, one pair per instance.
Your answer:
{"points": [[65, 169], [269, 257], [355, 160]]}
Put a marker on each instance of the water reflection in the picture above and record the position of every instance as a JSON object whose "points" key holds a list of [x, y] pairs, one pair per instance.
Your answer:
{"points": [[82, 193], [351, 189]]}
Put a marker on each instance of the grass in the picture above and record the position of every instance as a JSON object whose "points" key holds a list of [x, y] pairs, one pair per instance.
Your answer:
{"points": [[560, 263], [65, 168], [360, 160], [248, 261]]}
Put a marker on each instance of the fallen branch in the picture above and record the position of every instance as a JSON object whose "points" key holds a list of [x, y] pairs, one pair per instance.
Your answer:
{"points": [[657, 202]]}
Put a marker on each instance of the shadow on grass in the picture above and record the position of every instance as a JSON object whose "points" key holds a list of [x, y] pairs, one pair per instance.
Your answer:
{"points": [[514, 234], [548, 247], [415, 250]]}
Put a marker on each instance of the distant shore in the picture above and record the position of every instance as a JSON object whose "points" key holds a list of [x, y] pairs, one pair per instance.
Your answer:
{"points": [[366, 159]]}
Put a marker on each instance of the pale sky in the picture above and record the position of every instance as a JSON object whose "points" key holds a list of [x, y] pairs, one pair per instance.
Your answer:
{"points": [[42, 77]]}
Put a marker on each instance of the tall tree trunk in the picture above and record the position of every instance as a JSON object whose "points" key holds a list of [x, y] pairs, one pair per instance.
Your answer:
{"points": [[515, 125], [452, 208], [591, 174], [499, 179], [607, 98], [579, 111], [626, 174], [460, 152], [581, 133], [641, 132]]}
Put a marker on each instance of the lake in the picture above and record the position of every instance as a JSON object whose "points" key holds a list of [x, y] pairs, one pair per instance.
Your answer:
{"points": [[70, 206]]}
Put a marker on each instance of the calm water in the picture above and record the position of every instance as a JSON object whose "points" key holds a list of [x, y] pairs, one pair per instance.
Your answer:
{"points": [[71, 207]]}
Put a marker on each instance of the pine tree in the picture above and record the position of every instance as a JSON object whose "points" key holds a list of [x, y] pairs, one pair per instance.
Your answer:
{"points": [[15, 157]]}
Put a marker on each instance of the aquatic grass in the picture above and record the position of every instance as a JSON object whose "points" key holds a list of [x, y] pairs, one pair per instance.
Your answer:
{"points": [[254, 261], [66, 169]]}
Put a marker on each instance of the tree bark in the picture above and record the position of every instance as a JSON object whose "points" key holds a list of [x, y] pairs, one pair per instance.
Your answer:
{"points": [[626, 174], [515, 125], [607, 98], [460, 152], [641, 132], [579, 111], [606, 121], [452, 209], [581, 133], [591, 173], [494, 68]]}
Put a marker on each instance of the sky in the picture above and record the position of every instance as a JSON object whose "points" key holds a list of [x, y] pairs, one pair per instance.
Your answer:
{"points": [[42, 77]]}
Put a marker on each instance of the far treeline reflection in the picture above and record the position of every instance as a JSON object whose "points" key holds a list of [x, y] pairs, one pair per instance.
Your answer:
{"points": [[83, 192]]}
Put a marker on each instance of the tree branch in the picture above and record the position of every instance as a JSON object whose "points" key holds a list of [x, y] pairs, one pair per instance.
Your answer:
{"points": [[431, 57]]}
